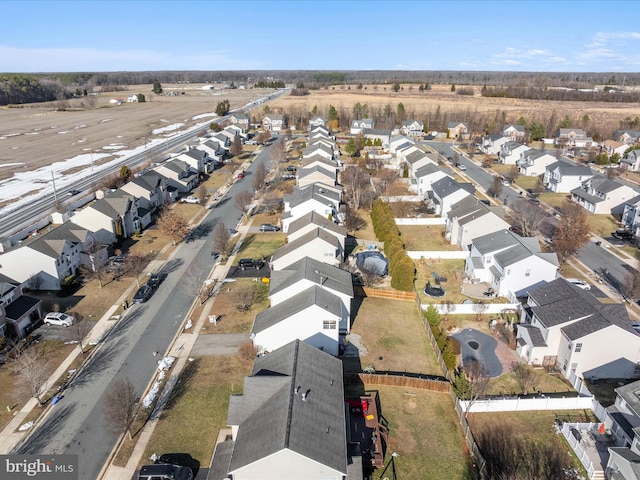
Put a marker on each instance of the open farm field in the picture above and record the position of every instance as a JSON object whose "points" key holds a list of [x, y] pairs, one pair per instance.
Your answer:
{"points": [[36, 135], [440, 98]]}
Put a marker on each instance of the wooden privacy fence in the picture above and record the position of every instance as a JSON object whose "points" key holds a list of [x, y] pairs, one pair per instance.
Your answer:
{"points": [[392, 294], [397, 380]]}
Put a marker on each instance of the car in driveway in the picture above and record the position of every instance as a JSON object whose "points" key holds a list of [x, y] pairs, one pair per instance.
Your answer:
{"points": [[291, 168], [246, 263], [58, 318], [143, 294], [267, 227], [579, 283], [288, 176], [190, 199]]}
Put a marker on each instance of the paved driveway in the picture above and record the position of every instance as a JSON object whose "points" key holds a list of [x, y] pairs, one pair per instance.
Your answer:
{"points": [[219, 344]]}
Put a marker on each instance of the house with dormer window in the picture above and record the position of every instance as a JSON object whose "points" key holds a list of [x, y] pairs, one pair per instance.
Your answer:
{"points": [[317, 122], [572, 137], [359, 126], [181, 176], [534, 162], [568, 327], [627, 136], [491, 144], [562, 177], [623, 421], [412, 128], [510, 152], [445, 192], [509, 263], [150, 189], [631, 161], [470, 218], [317, 244], [458, 130], [274, 122], [515, 133], [603, 196], [240, 120]]}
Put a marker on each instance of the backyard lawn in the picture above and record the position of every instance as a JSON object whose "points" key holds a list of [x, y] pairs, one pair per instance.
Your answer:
{"points": [[393, 333], [425, 237], [424, 431], [260, 245]]}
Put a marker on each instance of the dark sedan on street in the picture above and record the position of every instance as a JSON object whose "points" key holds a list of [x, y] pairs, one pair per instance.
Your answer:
{"points": [[143, 294]]}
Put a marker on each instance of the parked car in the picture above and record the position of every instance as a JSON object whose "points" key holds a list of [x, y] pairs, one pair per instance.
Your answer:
{"points": [[291, 168], [622, 234], [250, 142], [241, 175], [165, 471], [118, 259], [486, 202], [58, 318], [143, 294], [246, 263], [461, 167], [73, 192], [534, 200], [505, 183], [190, 199], [579, 283], [156, 279], [288, 176], [516, 229], [267, 227]]}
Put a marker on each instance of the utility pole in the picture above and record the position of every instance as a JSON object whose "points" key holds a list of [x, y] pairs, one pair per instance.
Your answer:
{"points": [[55, 193]]}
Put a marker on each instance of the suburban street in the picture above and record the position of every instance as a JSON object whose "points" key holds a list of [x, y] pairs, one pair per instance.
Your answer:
{"points": [[595, 257], [76, 425]]}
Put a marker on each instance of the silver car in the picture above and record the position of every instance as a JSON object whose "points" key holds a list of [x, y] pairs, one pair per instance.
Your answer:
{"points": [[58, 318]]}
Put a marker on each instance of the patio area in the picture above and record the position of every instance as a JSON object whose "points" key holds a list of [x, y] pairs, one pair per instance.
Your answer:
{"points": [[476, 290], [590, 446]]}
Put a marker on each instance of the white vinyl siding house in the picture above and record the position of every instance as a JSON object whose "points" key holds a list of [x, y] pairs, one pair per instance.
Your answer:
{"points": [[358, 126], [274, 122], [491, 144], [534, 162], [425, 177], [469, 219], [603, 196], [562, 177], [446, 191], [510, 152], [318, 174], [317, 244]]}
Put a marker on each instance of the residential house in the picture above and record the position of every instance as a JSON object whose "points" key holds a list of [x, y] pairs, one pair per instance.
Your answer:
{"points": [[150, 189], [48, 260], [179, 174], [611, 147], [240, 120], [631, 161], [631, 215], [412, 128], [627, 136], [320, 130], [510, 152], [458, 130], [398, 142], [381, 134], [317, 122], [417, 159], [623, 422], [115, 217], [289, 422], [317, 244], [132, 99], [317, 197], [317, 174], [235, 130], [425, 177], [19, 313], [446, 191], [318, 160], [509, 263], [318, 149], [565, 326], [274, 122], [600, 195], [306, 273], [214, 149], [469, 219], [534, 162], [197, 159], [516, 133], [572, 137], [321, 140], [358, 126], [312, 315], [491, 144], [562, 177], [312, 220]]}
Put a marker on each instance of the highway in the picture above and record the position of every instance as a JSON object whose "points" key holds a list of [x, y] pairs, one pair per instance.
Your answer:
{"points": [[76, 424]]}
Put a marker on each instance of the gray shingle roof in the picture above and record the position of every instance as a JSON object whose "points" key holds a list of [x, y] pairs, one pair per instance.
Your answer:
{"points": [[330, 277], [314, 428], [568, 169], [560, 302], [315, 191], [305, 172], [446, 186], [114, 204], [511, 248], [534, 334], [52, 242], [468, 209], [427, 169], [303, 240], [320, 159], [315, 218], [313, 296]]}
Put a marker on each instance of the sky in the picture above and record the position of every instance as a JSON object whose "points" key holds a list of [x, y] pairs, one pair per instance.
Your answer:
{"points": [[508, 35]]}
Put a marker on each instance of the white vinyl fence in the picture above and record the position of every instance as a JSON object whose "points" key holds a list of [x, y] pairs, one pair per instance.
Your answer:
{"points": [[517, 404], [443, 254], [472, 308], [420, 221]]}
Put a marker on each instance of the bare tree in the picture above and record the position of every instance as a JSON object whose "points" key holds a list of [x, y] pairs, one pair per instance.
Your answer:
{"points": [[196, 284], [98, 259], [528, 217], [32, 363], [221, 240], [34, 282], [470, 383], [573, 231], [630, 287], [202, 193], [353, 221], [279, 151], [136, 265], [369, 278], [387, 179], [245, 295], [356, 182], [259, 177], [236, 146], [525, 376], [79, 330], [173, 225], [538, 187], [512, 174], [495, 188], [480, 307], [448, 307], [120, 405], [243, 200]]}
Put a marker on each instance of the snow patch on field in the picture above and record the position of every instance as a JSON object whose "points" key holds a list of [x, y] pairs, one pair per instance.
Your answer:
{"points": [[114, 146], [168, 128], [204, 115], [11, 164]]}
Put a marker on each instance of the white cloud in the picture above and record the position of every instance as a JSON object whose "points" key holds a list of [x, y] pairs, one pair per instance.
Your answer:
{"points": [[619, 38]]}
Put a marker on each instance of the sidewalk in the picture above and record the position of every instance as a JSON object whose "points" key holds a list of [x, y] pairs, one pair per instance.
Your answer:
{"points": [[180, 349]]}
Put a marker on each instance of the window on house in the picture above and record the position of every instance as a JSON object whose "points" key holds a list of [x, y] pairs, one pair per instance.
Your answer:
{"points": [[527, 272], [565, 365], [574, 367], [328, 324], [578, 347]]}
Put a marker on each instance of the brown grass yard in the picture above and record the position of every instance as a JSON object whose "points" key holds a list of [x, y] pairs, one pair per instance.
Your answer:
{"points": [[198, 408], [425, 237], [394, 336], [507, 385], [260, 245], [230, 319], [424, 431]]}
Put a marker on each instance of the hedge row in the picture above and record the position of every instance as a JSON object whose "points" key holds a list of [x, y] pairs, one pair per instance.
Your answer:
{"points": [[401, 267]]}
